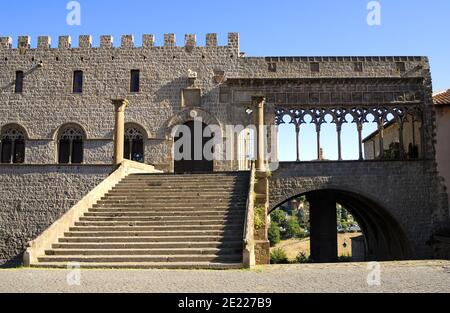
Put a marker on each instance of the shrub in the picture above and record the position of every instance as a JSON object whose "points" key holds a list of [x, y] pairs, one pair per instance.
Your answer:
{"points": [[278, 256], [279, 217], [274, 234], [293, 229], [302, 258], [259, 217]]}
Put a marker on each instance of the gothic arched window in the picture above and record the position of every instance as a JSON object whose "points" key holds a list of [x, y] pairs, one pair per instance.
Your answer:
{"points": [[12, 145], [70, 145], [134, 144]]}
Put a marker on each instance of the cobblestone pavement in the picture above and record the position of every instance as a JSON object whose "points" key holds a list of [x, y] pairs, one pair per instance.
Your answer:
{"points": [[416, 276]]}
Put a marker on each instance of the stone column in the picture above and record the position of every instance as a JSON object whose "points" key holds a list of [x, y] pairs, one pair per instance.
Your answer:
{"points": [[323, 223], [381, 136], [297, 141], [401, 140], [119, 132], [318, 129], [258, 103], [339, 130], [360, 140]]}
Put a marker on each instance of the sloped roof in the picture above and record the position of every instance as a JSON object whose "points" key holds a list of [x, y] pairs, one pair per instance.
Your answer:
{"points": [[442, 98]]}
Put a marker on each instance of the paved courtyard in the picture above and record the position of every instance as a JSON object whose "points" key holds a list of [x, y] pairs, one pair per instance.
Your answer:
{"points": [[417, 276]]}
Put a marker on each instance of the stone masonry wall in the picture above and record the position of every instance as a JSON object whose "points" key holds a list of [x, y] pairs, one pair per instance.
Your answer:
{"points": [[47, 101], [406, 190], [33, 197]]}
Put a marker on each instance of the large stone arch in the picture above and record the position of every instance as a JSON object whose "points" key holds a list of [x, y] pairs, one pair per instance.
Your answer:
{"points": [[385, 237], [189, 115]]}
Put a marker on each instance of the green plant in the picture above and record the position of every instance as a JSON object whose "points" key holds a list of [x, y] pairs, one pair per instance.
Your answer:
{"points": [[293, 229], [278, 256], [259, 219], [279, 217], [302, 258], [274, 234]]}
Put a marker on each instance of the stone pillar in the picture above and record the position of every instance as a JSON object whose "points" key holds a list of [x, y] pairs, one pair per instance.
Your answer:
{"points": [[339, 130], [360, 141], [119, 132], [297, 141], [323, 223], [258, 103], [318, 129], [381, 136]]}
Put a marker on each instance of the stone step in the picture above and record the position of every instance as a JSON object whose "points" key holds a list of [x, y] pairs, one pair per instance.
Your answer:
{"points": [[225, 173], [154, 228], [151, 245], [174, 201], [211, 205], [161, 209], [227, 219], [187, 177], [154, 239], [171, 194], [174, 186], [181, 223], [180, 188], [172, 206], [144, 265], [166, 214], [153, 233], [187, 184], [139, 258], [144, 252]]}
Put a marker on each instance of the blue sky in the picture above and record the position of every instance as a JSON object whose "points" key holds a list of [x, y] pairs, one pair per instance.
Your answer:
{"points": [[267, 28]]}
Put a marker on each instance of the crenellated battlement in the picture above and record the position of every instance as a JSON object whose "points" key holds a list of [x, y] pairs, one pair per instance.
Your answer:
{"points": [[107, 42]]}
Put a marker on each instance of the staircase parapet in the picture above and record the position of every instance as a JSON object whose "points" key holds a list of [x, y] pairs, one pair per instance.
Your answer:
{"points": [[38, 246], [249, 227]]}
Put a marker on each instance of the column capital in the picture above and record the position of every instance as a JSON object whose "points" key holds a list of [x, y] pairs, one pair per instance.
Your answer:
{"points": [[120, 104], [258, 101]]}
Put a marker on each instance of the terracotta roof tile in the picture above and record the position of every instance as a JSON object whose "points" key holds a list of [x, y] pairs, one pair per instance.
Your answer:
{"points": [[442, 98]]}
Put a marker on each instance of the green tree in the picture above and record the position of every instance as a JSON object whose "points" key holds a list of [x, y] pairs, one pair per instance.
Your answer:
{"points": [[274, 234], [293, 229], [278, 256], [279, 217]]}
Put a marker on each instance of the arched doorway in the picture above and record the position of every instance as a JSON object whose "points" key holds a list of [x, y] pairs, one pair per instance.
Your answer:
{"points": [[189, 149], [384, 238]]}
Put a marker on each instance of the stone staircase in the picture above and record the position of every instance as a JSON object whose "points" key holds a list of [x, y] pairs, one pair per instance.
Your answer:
{"points": [[160, 221]]}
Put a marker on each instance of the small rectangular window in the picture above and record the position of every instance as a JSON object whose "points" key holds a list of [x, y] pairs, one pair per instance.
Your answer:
{"points": [[315, 67], [135, 76], [272, 67], [19, 82], [358, 66], [78, 82], [401, 67]]}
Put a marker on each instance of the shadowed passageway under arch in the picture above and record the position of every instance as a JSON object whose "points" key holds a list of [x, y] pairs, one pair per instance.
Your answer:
{"points": [[384, 237]]}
